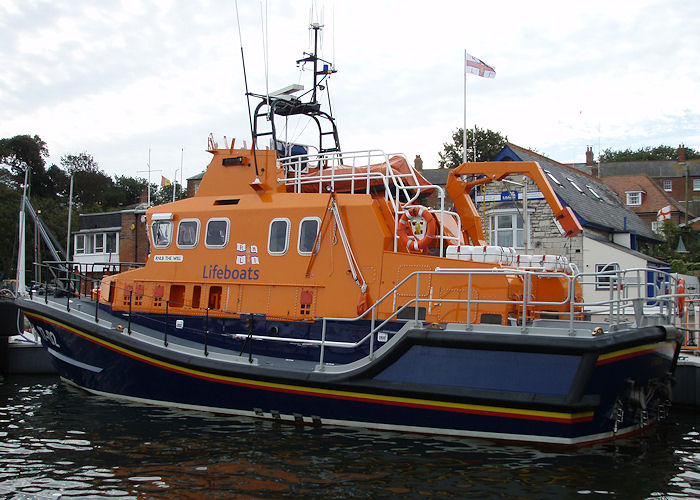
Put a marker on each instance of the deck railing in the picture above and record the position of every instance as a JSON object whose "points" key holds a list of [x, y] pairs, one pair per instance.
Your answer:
{"points": [[627, 305], [325, 172]]}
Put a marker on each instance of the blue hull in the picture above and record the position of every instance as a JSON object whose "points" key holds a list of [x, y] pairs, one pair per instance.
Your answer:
{"points": [[515, 387]]}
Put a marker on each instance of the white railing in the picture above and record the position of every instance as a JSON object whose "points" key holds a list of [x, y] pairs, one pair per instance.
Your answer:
{"points": [[355, 172]]}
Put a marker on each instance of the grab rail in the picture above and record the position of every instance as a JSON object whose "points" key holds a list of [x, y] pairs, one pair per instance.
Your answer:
{"points": [[624, 303]]}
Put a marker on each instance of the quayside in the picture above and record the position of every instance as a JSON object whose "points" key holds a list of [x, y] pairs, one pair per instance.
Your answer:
{"points": [[310, 284]]}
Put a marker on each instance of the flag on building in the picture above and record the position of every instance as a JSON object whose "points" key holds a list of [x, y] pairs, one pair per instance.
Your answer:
{"points": [[664, 213], [478, 67], [164, 181]]}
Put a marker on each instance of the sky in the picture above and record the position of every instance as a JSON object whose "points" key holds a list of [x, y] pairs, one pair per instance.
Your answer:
{"points": [[132, 79]]}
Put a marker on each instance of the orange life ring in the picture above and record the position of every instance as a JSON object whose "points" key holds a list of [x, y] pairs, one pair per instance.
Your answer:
{"points": [[681, 298], [417, 228]]}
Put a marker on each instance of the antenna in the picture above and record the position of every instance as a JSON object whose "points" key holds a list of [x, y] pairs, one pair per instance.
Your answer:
{"points": [[247, 94]]}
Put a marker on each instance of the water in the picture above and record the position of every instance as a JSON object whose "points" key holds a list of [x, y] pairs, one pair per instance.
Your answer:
{"points": [[56, 440]]}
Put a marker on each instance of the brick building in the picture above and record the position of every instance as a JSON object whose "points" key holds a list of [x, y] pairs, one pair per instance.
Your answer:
{"points": [[106, 240]]}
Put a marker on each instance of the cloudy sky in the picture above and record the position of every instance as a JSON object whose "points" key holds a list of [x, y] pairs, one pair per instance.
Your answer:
{"points": [[119, 78]]}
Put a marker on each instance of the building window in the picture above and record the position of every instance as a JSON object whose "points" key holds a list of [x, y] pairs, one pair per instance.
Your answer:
{"points": [[696, 184], [668, 185], [573, 183], [111, 242], [217, 233], [507, 229], [187, 233], [161, 232], [594, 193], [551, 176], [99, 242], [278, 240], [605, 273], [308, 229], [79, 243], [634, 198]]}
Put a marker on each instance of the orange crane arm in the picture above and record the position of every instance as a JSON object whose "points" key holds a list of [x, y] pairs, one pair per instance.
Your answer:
{"points": [[496, 171]]}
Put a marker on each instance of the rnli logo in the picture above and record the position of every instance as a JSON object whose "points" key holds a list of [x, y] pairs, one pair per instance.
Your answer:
{"points": [[247, 254]]}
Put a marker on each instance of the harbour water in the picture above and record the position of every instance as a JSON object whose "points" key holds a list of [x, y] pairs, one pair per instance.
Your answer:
{"points": [[56, 440]]}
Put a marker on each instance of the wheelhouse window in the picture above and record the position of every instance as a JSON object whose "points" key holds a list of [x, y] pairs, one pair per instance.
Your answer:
{"points": [[278, 239], [161, 232], [308, 230], [187, 233], [507, 229], [605, 274], [217, 233]]}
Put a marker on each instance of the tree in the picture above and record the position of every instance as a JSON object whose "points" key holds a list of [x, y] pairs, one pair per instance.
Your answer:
{"points": [[646, 154], [488, 145], [82, 162], [20, 151], [90, 184]]}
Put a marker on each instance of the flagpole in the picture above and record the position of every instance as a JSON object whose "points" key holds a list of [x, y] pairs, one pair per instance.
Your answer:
{"points": [[464, 128]]}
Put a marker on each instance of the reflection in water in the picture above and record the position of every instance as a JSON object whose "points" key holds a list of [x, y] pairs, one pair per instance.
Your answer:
{"points": [[55, 439]]}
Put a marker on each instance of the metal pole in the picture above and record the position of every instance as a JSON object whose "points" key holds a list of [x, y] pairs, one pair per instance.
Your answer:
{"points": [[464, 128], [206, 333], [131, 292], [70, 211], [165, 331]]}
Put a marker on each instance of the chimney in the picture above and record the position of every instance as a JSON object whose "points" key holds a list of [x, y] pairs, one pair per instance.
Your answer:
{"points": [[418, 163], [681, 153], [589, 156], [144, 196]]}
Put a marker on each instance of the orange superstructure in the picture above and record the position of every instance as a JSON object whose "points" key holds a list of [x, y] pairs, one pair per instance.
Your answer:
{"points": [[255, 243]]}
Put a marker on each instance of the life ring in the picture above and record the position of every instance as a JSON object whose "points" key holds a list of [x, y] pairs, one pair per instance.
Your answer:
{"points": [[681, 297], [417, 228]]}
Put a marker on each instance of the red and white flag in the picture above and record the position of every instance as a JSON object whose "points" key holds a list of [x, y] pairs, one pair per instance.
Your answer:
{"points": [[478, 67], [664, 213]]}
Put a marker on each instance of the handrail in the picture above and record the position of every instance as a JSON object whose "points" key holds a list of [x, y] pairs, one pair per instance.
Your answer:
{"points": [[295, 166], [616, 306]]}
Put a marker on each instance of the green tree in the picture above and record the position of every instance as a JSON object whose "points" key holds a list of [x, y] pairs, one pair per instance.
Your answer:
{"points": [[645, 154], [488, 145], [90, 184], [20, 151]]}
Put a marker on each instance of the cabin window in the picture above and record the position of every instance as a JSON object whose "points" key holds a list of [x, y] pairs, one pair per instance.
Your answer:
{"points": [[308, 230], [161, 232], [507, 229], [605, 273], [177, 295], [217, 233], [196, 295], [278, 240], [214, 297], [187, 233]]}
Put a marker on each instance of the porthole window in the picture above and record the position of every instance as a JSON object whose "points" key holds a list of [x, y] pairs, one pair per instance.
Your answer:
{"points": [[308, 229], [278, 239], [161, 233], [187, 233], [217, 233]]}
